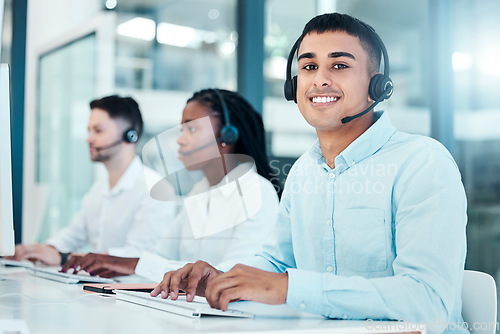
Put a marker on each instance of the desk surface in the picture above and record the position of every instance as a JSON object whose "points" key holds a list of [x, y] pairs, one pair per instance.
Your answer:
{"points": [[52, 307]]}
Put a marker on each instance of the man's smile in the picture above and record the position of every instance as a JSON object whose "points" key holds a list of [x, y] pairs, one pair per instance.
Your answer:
{"points": [[323, 99]]}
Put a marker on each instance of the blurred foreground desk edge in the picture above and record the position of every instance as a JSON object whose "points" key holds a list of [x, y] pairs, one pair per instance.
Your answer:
{"points": [[49, 307]]}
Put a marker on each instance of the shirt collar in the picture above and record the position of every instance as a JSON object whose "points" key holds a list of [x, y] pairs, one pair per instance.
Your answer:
{"points": [[240, 173], [370, 141], [364, 146], [128, 179], [316, 153]]}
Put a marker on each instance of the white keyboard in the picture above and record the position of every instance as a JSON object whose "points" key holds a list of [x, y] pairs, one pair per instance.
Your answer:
{"points": [[69, 278], [195, 309], [14, 263]]}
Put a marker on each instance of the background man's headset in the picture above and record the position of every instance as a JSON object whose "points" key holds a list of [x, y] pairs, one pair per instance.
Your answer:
{"points": [[130, 135], [229, 134], [379, 89]]}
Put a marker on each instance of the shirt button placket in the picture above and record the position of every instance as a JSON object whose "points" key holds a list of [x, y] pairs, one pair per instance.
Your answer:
{"points": [[329, 223]]}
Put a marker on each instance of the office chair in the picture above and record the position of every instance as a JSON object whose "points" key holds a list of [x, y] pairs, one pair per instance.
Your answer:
{"points": [[479, 302]]}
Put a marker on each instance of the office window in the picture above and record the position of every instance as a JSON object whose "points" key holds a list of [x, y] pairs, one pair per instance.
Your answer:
{"points": [[167, 46], [165, 51], [64, 170], [6, 29], [284, 22], [289, 133], [476, 67]]}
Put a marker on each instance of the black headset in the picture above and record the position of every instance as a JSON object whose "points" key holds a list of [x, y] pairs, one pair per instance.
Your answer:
{"points": [[379, 89], [131, 135], [229, 134]]}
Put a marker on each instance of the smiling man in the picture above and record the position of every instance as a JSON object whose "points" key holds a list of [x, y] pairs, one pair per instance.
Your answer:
{"points": [[372, 220]]}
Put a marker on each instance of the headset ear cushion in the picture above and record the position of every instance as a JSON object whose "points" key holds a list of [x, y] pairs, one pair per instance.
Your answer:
{"points": [[373, 88], [229, 134], [380, 87], [294, 87], [131, 136], [289, 89]]}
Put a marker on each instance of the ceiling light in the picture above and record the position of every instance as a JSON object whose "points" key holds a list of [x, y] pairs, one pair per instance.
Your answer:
{"points": [[461, 61], [111, 4], [227, 48], [177, 35], [139, 28]]}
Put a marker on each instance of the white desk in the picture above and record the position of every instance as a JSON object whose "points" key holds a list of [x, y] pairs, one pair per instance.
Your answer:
{"points": [[90, 313]]}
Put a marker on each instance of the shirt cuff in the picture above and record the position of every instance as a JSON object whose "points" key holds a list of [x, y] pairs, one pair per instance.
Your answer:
{"points": [[153, 266], [252, 261], [60, 248], [124, 252], [305, 290]]}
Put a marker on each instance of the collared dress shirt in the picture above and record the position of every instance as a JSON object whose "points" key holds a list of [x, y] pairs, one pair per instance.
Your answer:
{"points": [[123, 221], [380, 236], [220, 225]]}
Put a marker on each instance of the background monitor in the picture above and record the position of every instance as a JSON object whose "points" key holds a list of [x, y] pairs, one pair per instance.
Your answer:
{"points": [[6, 212]]}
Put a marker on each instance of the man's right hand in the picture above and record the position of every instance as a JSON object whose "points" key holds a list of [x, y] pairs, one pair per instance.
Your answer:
{"points": [[46, 254], [192, 278], [101, 264]]}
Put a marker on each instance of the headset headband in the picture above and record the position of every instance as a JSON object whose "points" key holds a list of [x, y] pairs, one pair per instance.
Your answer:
{"points": [[229, 134], [131, 135]]}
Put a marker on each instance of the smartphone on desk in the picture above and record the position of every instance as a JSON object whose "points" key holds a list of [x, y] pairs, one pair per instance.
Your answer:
{"points": [[108, 288]]}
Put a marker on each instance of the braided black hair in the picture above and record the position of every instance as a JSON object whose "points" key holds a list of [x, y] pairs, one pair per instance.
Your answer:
{"points": [[243, 116]]}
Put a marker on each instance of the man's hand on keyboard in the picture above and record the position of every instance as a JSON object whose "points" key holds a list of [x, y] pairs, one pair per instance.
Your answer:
{"points": [[46, 254], [247, 283], [192, 278], [102, 265]]}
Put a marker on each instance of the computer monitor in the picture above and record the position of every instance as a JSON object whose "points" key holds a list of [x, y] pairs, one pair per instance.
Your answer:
{"points": [[6, 212]]}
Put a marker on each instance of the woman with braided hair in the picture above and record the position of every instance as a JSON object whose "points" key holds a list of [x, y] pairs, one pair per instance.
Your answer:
{"points": [[227, 216]]}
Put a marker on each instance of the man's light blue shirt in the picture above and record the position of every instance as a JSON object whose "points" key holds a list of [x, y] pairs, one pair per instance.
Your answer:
{"points": [[380, 236]]}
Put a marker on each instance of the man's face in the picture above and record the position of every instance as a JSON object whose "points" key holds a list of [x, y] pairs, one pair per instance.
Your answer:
{"points": [[103, 131], [332, 79]]}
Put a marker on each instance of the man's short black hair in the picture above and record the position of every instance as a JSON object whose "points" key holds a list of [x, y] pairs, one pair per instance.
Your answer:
{"points": [[332, 22], [125, 108]]}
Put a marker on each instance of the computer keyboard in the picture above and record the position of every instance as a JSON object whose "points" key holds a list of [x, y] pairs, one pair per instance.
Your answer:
{"points": [[69, 278], [195, 309], [15, 263]]}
